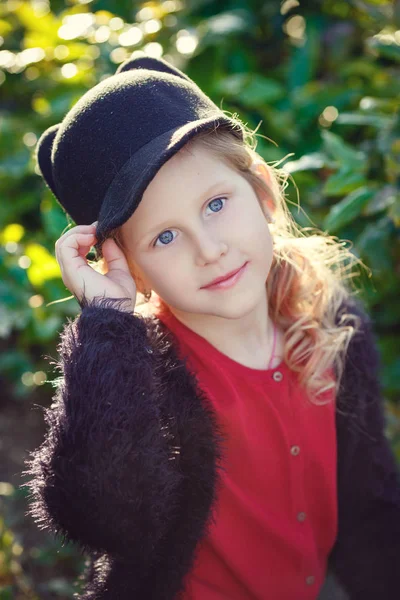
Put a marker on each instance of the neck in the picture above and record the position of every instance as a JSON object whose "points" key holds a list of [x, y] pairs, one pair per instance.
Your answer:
{"points": [[248, 340]]}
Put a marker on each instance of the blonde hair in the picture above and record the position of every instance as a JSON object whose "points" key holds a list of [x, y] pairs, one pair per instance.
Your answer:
{"points": [[308, 278]]}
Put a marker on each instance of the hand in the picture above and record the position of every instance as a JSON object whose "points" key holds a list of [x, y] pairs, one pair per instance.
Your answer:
{"points": [[82, 279]]}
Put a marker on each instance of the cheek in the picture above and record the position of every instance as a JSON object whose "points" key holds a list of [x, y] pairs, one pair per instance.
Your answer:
{"points": [[252, 226], [246, 217], [164, 271], [260, 243]]}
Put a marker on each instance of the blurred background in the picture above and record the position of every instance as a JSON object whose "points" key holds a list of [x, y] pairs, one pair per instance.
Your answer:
{"points": [[322, 81]]}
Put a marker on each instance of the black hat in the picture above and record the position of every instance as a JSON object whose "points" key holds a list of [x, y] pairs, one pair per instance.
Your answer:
{"points": [[99, 160]]}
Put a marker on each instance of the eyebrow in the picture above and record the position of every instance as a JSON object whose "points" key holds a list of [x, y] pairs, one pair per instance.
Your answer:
{"points": [[208, 192]]}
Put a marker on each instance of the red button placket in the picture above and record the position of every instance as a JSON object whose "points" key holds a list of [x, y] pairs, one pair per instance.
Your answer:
{"points": [[297, 485]]}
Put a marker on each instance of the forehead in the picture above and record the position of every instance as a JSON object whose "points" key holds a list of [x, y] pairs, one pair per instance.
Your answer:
{"points": [[191, 163], [183, 180]]}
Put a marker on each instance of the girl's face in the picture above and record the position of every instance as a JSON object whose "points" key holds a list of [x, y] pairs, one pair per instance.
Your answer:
{"points": [[198, 220]]}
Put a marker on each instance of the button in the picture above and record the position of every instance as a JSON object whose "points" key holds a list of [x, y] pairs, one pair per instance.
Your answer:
{"points": [[310, 580], [277, 376], [301, 516], [294, 450]]}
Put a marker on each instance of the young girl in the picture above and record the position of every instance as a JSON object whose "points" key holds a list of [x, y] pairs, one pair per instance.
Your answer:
{"points": [[225, 440]]}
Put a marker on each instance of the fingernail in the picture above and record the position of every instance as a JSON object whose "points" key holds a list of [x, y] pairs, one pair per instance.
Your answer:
{"points": [[95, 223]]}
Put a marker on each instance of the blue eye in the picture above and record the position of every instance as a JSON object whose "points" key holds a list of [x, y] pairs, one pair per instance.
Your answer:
{"points": [[215, 200], [166, 236]]}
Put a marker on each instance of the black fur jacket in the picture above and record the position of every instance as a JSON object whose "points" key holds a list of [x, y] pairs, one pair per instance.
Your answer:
{"points": [[129, 465]]}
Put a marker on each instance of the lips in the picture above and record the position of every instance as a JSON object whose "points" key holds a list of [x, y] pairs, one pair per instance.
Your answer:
{"points": [[224, 277]]}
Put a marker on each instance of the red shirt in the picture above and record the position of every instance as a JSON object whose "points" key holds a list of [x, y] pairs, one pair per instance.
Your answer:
{"points": [[276, 512]]}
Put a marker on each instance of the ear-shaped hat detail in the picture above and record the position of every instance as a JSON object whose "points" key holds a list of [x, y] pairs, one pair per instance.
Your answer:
{"points": [[153, 64], [43, 152]]}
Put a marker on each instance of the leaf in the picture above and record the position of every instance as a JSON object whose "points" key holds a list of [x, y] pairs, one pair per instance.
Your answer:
{"points": [[390, 51], [344, 153], [47, 23], [343, 182], [374, 243], [260, 91], [233, 84], [383, 198], [312, 99], [359, 66], [389, 318], [15, 164], [304, 60], [391, 376], [5, 27], [53, 216], [44, 266], [313, 161], [394, 213], [225, 24], [12, 233], [251, 90], [358, 118], [347, 209], [46, 328], [379, 14]]}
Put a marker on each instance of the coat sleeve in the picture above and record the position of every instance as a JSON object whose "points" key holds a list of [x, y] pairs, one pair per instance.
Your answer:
{"points": [[102, 477], [365, 558]]}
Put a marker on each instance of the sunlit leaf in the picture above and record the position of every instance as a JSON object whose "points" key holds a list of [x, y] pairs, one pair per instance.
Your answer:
{"points": [[312, 161], [5, 27], [46, 24], [390, 51], [12, 233], [41, 105], [44, 266]]}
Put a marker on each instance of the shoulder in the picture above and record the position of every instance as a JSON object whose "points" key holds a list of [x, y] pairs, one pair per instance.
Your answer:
{"points": [[362, 356], [360, 401]]}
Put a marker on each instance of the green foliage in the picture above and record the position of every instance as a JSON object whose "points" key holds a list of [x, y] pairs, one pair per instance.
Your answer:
{"points": [[322, 77], [17, 562]]}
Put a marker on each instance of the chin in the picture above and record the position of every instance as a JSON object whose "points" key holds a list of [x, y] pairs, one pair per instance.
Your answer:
{"points": [[236, 306]]}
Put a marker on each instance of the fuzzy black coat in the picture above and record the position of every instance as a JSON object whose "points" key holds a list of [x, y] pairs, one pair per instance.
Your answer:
{"points": [[129, 467]]}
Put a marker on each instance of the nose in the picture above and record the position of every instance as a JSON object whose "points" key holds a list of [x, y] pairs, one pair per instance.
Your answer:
{"points": [[209, 246]]}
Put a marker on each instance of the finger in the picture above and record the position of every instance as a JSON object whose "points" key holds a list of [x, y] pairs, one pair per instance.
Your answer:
{"points": [[115, 258], [75, 230], [69, 251], [84, 250]]}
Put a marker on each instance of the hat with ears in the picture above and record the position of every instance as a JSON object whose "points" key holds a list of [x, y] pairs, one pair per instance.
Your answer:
{"points": [[99, 160]]}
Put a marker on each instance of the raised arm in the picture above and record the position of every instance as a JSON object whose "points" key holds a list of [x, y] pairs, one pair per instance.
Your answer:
{"points": [[102, 477]]}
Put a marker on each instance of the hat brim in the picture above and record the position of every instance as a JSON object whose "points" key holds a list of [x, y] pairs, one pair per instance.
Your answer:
{"points": [[127, 188]]}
